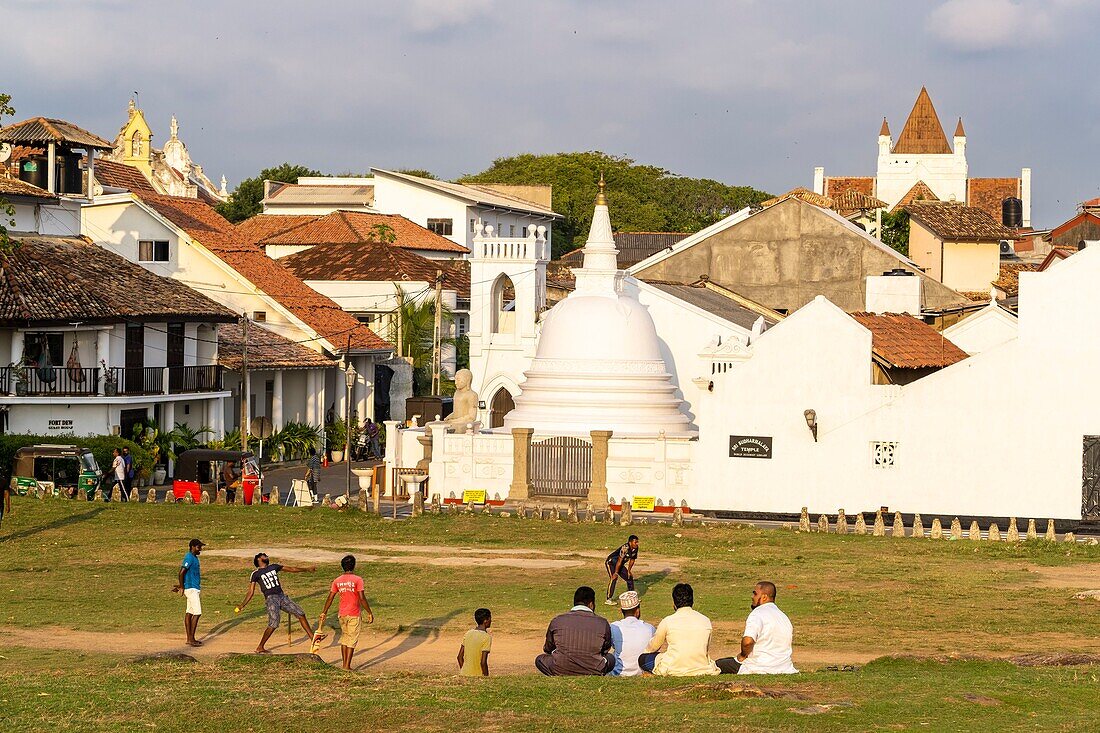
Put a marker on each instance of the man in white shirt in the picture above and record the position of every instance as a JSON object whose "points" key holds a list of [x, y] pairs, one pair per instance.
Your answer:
{"points": [[630, 636], [686, 633], [766, 646]]}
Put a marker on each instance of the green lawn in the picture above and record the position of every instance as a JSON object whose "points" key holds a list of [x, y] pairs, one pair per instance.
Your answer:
{"points": [[94, 567]]}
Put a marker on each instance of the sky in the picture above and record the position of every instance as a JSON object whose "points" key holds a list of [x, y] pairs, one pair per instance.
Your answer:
{"points": [[743, 91]]}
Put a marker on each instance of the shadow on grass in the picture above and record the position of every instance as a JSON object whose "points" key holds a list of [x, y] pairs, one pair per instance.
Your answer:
{"points": [[55, 524], [649, 580], [415, 633]]}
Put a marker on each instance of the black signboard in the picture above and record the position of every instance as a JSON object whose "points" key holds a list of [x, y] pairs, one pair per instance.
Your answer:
{"points": [[750, 446]]}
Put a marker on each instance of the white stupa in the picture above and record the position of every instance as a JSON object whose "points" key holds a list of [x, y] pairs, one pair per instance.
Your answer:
{"points": [[598, 365]]}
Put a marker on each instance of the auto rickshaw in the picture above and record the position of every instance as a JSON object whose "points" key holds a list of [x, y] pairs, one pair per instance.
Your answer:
{"points": [[31, 472], [193, 470]]}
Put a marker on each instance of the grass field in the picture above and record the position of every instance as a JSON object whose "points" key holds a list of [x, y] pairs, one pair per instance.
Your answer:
{"points": [[84, 591]]}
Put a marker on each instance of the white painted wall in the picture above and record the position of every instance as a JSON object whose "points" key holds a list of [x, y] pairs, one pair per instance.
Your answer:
{"points": [[945, 174], [984, 330]]}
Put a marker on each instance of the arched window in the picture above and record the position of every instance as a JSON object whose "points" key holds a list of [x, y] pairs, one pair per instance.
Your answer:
{"points": [[504, 305], [135, 144], [501, 405]]}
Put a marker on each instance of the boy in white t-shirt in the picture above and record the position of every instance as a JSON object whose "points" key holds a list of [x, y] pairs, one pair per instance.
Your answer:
{"points": [[768, 641]]}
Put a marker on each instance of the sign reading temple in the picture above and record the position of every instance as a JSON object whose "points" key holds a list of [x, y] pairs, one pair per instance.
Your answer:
{"points": [[750, 446]]}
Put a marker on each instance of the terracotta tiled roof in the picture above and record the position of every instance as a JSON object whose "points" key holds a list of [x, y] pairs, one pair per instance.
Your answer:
{"points": [[907, 342], [16, 187], [375, 262], [63, 279], [256, 229], [851, 200], [923, 132], [353, 227], [919, 192], [43, 130], [885, 129], [1085, 217], [975, 295], [836, 185], [988, 193], [804, 194], [120, 175], [320, 313], [266, 350], [959, 131], [1009, 280], [955, 221]]}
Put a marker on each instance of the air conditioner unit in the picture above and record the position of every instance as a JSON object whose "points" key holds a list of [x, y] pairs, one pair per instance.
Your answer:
{"points": [[1007, 248]]}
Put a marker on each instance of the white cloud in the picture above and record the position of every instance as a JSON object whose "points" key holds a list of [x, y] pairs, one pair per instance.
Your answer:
{"points": [[987, 25], [428, 16]]}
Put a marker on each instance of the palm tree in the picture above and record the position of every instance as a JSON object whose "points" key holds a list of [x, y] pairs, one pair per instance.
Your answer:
{"points": [[417, 330]]}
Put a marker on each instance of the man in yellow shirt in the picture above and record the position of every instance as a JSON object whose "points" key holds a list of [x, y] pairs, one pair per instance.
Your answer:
{"points": [[686, 638], [473, 655]]}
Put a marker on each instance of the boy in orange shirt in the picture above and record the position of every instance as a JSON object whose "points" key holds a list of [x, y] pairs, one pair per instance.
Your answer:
{"points": [[353, 601]]}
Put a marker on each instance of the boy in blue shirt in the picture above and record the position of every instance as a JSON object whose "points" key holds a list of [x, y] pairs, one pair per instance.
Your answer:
{"points": [[190, 583]]}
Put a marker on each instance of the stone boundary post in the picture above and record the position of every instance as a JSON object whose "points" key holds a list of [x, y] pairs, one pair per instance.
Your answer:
{"points": [[520, 490], [597, 491]]}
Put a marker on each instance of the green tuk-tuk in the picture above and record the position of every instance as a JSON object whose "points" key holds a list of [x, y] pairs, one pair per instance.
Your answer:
{"points": [[51, 468]]}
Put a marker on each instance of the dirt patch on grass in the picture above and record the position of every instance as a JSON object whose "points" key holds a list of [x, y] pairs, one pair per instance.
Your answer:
{"points": [[1054, 660], [440, 556], [1076, 577]]}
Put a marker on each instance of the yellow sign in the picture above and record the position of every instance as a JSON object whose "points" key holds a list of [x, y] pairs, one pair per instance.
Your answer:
{"points": [[643, 503], [477, 497]]}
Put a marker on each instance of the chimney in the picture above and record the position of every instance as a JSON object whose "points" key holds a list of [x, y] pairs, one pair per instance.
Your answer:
{"points": [[896, 291], [1025, 195], [819, 180]]}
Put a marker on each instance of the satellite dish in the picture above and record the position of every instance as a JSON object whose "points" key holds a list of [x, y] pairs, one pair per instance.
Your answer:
{"points": [[5, 152]]}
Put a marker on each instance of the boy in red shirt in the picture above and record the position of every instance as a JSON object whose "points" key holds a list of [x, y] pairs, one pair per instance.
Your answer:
{"points": [[353, 600]]}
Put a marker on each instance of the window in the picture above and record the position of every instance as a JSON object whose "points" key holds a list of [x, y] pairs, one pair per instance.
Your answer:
{"points": [[511, 230], [460, 326], [884, 453], [443, 227], [43, 349], [150, 250], [135, 145], [472, 225], [259, 316]]}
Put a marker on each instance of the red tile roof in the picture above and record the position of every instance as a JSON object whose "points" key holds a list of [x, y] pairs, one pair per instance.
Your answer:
{"points": [[800, 193], [319, 312], [836, 185], [1009, 280], [923, 132], [919, 192], [266, 350], [376, 262], [353, 227], [955, 221], [119, 175], [16, 187], [907, 342], [43, 130], [988, 193], [256, 229], [852, 201]]}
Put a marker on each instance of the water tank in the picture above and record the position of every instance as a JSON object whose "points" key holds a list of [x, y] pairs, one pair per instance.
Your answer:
{"points": [[33, 170], [1012, 212], [69, 175]]}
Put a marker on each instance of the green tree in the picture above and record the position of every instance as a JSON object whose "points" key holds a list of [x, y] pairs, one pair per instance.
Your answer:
{"points": [[245, 200], [7, 211], [642, 197], [417, 337], [418, 172], [895, 230]]}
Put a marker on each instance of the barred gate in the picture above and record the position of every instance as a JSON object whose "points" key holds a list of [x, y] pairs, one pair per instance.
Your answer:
{"points": [[560, 466], [1090, 478]]}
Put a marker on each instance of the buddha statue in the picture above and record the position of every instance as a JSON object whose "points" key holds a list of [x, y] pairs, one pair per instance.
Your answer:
{"points": [[464, 406]]}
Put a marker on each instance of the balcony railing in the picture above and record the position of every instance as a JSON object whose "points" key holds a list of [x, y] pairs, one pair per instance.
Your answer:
{"points": [[194, 379], [92, 381], [59, 381]]}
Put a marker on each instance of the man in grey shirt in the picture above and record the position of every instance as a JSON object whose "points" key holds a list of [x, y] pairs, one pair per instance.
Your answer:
{"points": [[577, 642]]}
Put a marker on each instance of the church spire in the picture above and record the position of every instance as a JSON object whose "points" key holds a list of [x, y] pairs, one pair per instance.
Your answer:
{"points": [[959, 131], [923, 133], [884, 131]]}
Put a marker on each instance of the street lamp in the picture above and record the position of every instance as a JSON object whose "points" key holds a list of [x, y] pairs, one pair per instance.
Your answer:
{"points": [[349, 376]]}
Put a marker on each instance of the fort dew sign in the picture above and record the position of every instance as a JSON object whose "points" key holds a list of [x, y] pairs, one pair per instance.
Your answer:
{"points": [[750, 446]]}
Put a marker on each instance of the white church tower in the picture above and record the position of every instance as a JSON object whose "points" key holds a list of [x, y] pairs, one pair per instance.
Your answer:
{"points": [[507, 295]]}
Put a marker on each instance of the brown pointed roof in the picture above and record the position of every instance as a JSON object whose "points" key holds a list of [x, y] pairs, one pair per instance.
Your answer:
{"points": [[923, 132], [885, 129], [959, 131], [800, 193], [919, 192], [43, 130], [353, 227]]}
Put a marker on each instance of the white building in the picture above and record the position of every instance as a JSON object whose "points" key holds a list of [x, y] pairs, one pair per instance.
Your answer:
{"points": [[922, 165], [452, 210]]}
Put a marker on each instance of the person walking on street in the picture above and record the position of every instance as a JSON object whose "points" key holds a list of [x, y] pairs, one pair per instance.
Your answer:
{"points": [[374, 451], [118, 474], [266, 576], [353, 602], [620, 564], [313, 471], [190, 583], [128, 460]]}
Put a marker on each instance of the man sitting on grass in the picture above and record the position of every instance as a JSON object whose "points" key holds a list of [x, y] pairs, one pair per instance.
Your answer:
{"points": [[578, 642], [766, 646], [266, 576], [473, 655], [630, 635], [353, 601], [686, 636]]}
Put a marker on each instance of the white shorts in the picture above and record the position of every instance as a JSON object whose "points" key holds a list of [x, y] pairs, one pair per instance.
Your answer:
{"points": [[193, 606]]}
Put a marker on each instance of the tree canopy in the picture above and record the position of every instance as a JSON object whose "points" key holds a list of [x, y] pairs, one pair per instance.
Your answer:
{"points": [[641, 197], [7, 211], [246, 197]]}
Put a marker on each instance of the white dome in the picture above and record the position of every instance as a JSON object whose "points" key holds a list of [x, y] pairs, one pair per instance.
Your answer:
{"points": [[598, 365]]}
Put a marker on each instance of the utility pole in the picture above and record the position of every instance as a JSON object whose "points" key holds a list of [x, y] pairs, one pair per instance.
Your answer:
{"points": [[437, 345], [245, 387]]}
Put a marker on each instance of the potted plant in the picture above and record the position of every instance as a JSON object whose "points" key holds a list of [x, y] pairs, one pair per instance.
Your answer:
{"points": [[337, 436], [19, 372], [110, 381]]}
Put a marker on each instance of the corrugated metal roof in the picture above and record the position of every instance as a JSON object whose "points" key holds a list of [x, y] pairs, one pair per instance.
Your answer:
{"points": [[473, 193], [713, 302], [292, 194], [48, 130]]}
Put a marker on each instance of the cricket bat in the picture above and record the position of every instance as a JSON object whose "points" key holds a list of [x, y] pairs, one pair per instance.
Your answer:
{"points": [[316, 642], [289, 631]]}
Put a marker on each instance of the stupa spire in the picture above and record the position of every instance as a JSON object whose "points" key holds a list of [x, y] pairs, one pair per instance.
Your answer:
{"points": [[599, 249]]}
